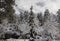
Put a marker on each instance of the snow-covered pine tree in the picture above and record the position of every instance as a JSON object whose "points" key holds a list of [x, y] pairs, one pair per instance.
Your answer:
{"points": [[51, 26], [58, 16], [46, 14], [31, 17], [31, 22], [40, 18], [26, 14], [21, 17]]}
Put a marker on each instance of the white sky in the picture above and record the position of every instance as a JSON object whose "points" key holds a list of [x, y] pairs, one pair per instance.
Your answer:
{"points": [[39, 5]]}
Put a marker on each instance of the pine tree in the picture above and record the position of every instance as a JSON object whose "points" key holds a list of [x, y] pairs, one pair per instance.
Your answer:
{"points": [[26, 14], [40, 18], [21, 17], [51, 26], [46, 15], [6, 9], [58, 16], [31, 17], [31, 24], [31, 21]]}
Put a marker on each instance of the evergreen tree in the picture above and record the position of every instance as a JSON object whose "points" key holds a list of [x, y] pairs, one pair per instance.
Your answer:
{"points": [[31, 21], [58, 16], [31, 17], [21, 17], [26, 14], [6, 9], [46, 15], [40, 18]]}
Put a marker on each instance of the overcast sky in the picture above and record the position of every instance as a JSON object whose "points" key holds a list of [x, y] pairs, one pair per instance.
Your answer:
{"points": [[39, 5]]}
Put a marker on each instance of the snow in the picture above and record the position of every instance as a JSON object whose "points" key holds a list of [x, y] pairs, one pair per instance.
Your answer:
{"points": [[50, 26]]}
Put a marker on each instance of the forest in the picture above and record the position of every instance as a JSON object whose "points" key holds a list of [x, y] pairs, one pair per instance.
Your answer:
{"points": [[28, 25]]}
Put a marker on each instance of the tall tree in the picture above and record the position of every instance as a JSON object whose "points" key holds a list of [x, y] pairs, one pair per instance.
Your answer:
{"points": [[31, 21], [31, 17], [26, 14], [40, 18], [6, 9], [58, 16], [46, 14], [21, 17]]}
